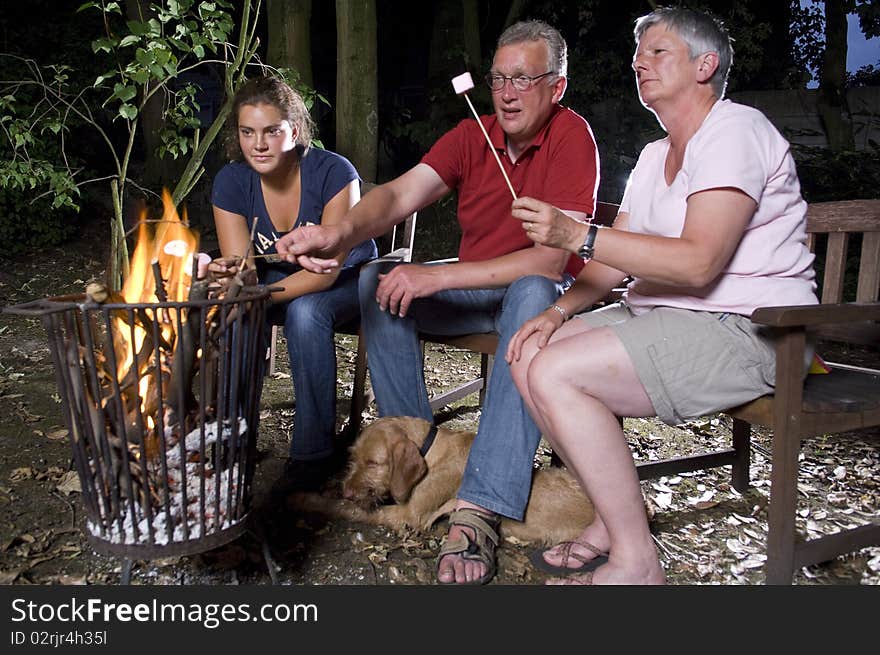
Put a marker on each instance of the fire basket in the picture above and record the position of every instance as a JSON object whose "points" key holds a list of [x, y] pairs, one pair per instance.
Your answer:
{"points": [[160, 387], [161, 401]]}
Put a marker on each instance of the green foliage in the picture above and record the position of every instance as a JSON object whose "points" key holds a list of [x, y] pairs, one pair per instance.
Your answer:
{"points": [[843, 175], [808, 32], [149, 54], [28, 223], [310, 96], [31, 158], [180, 119], [38, 199], [869, 17], [868, 75], [142, 58]]}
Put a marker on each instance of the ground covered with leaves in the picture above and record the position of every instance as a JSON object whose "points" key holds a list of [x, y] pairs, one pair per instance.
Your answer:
{"points": [[706, 532]]}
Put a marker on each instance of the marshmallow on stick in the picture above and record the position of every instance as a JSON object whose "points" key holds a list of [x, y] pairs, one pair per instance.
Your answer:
{"points": [[462, 84]]}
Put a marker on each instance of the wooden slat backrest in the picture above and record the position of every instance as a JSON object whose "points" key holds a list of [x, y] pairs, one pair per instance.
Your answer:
{"points": [[407, 231], [839, 220], [605, 213], [822, 405], [401, 248]]}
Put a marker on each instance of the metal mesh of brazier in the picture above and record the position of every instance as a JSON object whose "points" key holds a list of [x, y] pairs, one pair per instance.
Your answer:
{"points": [[162, 404]]}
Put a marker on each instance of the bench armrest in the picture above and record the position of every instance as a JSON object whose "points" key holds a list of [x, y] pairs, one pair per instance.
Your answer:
{"points": [[810, 315]]}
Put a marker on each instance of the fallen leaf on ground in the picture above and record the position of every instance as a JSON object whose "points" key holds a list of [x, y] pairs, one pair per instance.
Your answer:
{"points": [[69, 483], [663, 501], [424, 573], [394, 574], [378, 556], [57, 435], [72, 580], [8, 577], [22, 473]]}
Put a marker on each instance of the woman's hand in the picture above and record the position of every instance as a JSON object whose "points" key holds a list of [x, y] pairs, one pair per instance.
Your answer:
{"points": [[544, 325], [547, 225], [224, 272], [224, 266], [221, 272]]}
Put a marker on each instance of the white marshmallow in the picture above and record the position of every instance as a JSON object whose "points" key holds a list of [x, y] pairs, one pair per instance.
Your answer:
{"points": [[462, 83]]}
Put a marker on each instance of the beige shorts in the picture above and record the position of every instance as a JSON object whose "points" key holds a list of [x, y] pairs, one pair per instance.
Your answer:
{"points": [[693, 363]]}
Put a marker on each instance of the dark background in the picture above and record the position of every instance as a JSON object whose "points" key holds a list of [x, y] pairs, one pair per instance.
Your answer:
{"points": [[419, 50]]}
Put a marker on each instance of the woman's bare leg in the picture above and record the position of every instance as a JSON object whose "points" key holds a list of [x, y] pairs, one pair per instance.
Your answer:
{"points": [[577, 387]]}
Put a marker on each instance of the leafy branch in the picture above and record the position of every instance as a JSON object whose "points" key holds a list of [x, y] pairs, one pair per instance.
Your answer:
{"points": [[147, 59]]}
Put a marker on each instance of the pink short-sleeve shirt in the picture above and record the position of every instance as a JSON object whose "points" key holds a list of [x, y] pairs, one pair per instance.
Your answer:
{"points": [[735, 147]]}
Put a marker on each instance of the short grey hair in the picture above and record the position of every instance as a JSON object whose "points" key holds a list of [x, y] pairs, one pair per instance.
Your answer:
{"points": [[538, 30], [701, 31]]}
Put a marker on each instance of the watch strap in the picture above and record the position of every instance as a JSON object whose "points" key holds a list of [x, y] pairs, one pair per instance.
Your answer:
{"points": [[585, 252]]}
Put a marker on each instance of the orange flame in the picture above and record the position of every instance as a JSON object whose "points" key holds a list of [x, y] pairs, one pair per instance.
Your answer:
{"points": [[173, 246]]}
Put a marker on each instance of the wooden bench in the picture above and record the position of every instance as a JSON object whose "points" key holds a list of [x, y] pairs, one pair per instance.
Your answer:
{"points": [[846, 399]]}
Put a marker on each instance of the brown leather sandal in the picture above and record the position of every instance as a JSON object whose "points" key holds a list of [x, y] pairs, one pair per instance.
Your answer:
{"points": [[538, 561], [480, 548]]}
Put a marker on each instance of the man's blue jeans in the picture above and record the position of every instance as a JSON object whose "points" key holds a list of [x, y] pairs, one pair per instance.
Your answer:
{"points": [[498, 475], [309, 327]]}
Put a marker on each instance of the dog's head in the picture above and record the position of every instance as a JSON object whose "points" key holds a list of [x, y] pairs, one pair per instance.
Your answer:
{"points": [[385, 461]]}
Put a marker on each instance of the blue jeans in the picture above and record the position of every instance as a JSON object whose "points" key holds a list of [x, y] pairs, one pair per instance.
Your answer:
{"points": [[309, 327], [498, 475]]}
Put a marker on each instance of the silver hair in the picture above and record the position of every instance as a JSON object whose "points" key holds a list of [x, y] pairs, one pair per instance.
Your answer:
{"points": [[702, 33], [538, 30]]}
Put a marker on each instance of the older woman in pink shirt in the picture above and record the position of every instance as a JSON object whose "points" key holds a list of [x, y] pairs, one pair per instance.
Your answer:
{"points": [[711, 226]]}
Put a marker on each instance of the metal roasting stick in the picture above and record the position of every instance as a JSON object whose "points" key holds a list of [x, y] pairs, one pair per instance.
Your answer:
{"points": [[462, 84]]}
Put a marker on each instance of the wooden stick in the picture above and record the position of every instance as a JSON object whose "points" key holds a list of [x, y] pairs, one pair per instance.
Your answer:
{"points": [[161, 296], [491, 147]]}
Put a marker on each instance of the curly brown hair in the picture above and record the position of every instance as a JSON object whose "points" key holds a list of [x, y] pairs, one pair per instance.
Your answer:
{"points": [[276, 92]]}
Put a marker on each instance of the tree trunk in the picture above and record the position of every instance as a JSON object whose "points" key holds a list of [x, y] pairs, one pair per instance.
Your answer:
{"points": [[471, 29], [289, 43], [517, 7], [357, 115], [157, 171], [832, 104], [444, 60]]}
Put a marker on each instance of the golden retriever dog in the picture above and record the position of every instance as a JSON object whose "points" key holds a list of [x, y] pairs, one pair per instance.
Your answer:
{"points": [[385, 464]]}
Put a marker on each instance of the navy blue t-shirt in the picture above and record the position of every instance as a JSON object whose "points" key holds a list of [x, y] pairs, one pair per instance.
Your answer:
{"points": [[323, 174]]}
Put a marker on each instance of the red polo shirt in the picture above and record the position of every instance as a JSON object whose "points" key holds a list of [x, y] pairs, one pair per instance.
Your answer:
{"points": [[560, 167]]}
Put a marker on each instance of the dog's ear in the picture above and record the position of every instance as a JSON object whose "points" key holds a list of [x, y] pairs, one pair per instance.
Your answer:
{"points": [[407, 468]]}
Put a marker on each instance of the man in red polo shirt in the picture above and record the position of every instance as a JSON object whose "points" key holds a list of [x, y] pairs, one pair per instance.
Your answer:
{"points": [[500, 280]]}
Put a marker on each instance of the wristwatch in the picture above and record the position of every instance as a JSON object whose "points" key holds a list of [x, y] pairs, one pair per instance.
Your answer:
{"points": [[585, 252]]}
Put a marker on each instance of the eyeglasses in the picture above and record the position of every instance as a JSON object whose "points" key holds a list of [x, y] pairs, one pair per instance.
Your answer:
{"points": [[519, 82]]}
